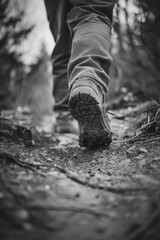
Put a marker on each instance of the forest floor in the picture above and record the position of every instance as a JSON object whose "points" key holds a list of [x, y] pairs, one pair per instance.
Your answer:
{"points": [[51, 189]]}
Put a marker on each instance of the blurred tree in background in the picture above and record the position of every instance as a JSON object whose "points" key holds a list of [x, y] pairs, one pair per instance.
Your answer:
{"points": [[149, 25], [12, 68], [136, 46]]}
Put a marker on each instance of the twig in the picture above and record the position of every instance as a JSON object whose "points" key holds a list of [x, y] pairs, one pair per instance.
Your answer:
{"points": [[146, 126], [134, 139], [138, 111], [151, 139], [114, 115], [158, 111], [137, 137]]}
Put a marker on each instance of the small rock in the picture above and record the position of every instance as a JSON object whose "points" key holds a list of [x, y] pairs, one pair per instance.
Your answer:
{"points": [[131, 149], [142, 150], [110, 172], [139, 157], [75, 156], [49, 159], [92, 174]]}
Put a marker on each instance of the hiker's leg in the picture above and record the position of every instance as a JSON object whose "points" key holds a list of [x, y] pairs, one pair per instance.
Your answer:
{"points": [[90, 25], [57, 11]]}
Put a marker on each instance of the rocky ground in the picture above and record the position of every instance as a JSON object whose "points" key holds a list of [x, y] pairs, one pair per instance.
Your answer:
{"points": [[50, 188]]}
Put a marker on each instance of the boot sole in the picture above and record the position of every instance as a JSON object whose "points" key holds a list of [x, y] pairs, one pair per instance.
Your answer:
{"points": [[88, 112]]}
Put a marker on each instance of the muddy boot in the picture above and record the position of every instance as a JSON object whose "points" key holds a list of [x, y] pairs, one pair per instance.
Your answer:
{"points": [[87, 106]]}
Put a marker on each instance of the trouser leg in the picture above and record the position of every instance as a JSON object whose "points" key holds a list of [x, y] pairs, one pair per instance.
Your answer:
{"points": [[57, 14], [90, 22]]}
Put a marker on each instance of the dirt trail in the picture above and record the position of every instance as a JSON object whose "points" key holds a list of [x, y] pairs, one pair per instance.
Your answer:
{"points": [[54, 189]]}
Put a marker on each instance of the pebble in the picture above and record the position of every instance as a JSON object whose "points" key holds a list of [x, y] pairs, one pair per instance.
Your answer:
{"points": [[110, 172], [92, 174], [143, 150], [139, 157], [93, 161], [131, 149]]}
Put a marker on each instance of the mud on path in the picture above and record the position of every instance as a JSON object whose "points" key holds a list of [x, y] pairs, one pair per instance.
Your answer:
{"points": [[54, 189]]}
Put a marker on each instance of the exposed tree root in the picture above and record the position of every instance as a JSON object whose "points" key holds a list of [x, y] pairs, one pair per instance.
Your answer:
{"points": [[6, 155]]}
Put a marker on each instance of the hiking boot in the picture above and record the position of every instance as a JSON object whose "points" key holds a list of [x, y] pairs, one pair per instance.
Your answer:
{"points": [[87, 106], [65, 123]]}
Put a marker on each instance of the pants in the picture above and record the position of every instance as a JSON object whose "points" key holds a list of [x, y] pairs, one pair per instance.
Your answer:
{"points": [[81, 30]]}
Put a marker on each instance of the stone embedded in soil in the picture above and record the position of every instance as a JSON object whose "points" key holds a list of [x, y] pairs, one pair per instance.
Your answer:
{"points": [[142, 150], [131, 149]]}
